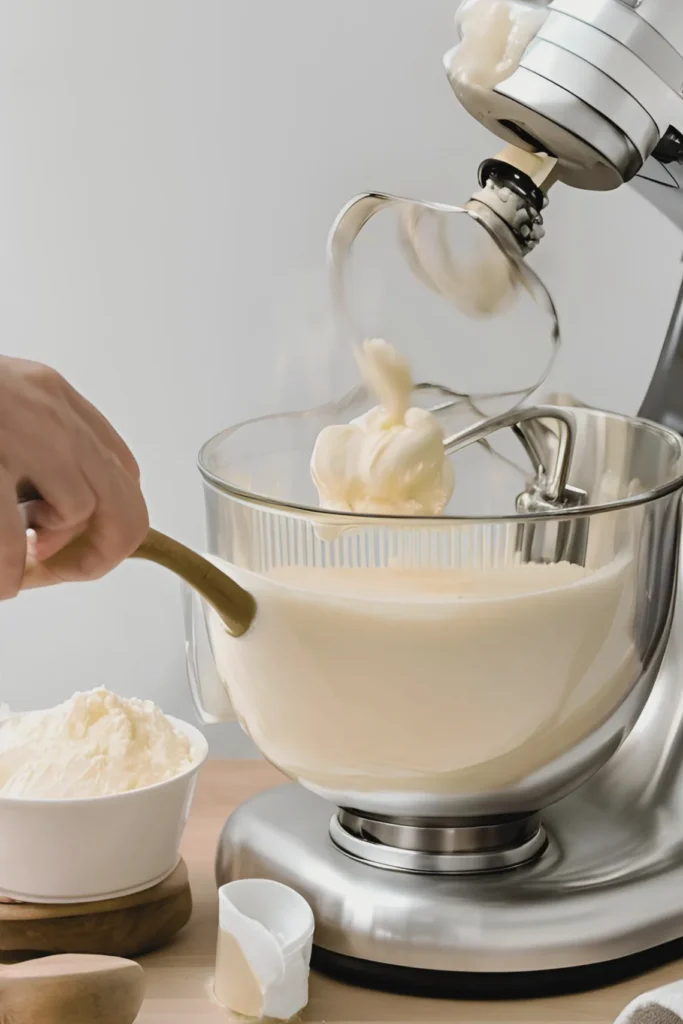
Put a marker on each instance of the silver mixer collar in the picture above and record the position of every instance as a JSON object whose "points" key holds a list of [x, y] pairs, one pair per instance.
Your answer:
{"points": [[439, 849]]}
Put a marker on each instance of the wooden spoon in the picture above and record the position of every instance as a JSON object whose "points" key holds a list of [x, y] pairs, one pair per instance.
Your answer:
{"points": [[235, 606], [72, 988]]}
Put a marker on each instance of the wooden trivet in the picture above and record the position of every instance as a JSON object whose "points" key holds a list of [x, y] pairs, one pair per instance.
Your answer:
{"points": [[126, 926]]}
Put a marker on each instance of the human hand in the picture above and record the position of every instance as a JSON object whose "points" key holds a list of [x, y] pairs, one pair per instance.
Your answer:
{"points": [[82, 482]]}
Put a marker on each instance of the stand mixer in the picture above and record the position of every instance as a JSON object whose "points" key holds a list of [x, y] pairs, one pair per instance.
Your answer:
{"points": [[535, 844]]}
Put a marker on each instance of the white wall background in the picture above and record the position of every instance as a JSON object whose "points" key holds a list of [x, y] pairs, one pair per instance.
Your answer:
{"points": [[168, 173]]}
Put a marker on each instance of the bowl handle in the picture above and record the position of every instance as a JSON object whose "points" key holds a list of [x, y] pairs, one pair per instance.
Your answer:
{"points": [[235, 606]]}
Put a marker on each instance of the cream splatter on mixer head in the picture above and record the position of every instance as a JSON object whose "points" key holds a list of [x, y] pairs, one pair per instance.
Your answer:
{"points": [[391, 461], [495, 35]]}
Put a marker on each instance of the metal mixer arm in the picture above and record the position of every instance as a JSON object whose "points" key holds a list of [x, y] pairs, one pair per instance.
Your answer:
{"points": [[600, 88]]}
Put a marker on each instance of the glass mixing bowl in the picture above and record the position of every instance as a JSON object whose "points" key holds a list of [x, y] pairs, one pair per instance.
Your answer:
{"points": [[449, 667]]}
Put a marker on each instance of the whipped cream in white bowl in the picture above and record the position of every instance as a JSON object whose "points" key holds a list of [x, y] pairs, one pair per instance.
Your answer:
{"points": [[106, 820]]}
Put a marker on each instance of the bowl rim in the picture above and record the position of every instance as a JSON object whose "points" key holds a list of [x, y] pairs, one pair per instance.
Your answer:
{"points": [[197, 739], [331, 518]]}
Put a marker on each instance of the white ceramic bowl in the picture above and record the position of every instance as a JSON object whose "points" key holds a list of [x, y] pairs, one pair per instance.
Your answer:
{"points": [[83, 850]]}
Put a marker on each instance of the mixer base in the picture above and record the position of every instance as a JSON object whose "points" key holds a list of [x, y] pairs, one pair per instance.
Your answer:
{"points": [[412, 981], [603, 902]]}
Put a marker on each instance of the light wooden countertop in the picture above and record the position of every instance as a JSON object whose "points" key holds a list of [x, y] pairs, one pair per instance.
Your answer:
{"points": [[178, 977]]}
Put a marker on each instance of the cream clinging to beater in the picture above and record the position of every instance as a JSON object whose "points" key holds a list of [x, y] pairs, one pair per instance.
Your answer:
{"points": [[392, 459]]}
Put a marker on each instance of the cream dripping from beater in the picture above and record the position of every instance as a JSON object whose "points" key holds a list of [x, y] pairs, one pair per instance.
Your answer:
{"points": [[390, 461]]}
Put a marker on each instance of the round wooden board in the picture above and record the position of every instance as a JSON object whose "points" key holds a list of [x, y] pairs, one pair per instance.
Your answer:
{"points": [[127, 926]]}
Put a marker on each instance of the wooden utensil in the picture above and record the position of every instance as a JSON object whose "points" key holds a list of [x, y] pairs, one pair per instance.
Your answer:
{"points": [[235, 606], [73, 988]]}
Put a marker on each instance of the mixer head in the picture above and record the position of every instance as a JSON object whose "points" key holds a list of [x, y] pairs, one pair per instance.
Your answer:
{"points": [[597, 86]]}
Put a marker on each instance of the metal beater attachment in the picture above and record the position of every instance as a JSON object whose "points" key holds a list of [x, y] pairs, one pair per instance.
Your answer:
{"points": [[550, 452], [549, 489], [435, 265], [509, 209]]}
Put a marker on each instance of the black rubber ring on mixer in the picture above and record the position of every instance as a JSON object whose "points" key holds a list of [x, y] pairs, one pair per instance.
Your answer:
{"points": [[504, 175]]}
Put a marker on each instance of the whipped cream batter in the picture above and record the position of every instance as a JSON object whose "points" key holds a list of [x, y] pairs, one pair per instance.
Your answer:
{"points": [[390, 461], [94, 744], [453, 680]]}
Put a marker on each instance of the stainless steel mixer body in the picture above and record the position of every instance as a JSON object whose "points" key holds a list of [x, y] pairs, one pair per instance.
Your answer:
{"points": [[415, 889]]}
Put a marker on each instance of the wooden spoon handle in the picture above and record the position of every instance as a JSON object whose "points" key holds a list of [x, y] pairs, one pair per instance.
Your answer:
{"points": [[235, 606]]}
